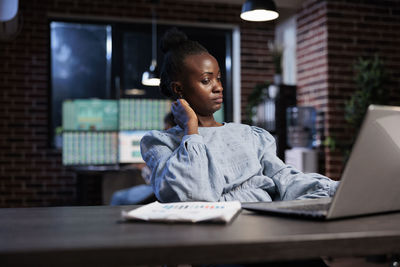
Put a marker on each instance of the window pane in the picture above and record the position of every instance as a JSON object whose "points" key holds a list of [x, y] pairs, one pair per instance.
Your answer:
{"points": [[80, 63], [137, 56]]}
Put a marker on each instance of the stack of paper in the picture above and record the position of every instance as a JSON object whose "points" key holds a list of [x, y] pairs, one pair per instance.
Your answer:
{"points": [[185, 212]]}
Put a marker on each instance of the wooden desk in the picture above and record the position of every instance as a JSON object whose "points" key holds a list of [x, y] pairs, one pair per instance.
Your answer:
{"points": [[93, 236]]}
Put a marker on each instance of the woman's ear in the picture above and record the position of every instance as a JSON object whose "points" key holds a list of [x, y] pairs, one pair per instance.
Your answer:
{"points": [[177, 89]]}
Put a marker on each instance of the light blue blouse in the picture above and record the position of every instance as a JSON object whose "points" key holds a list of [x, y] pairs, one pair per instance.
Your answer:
{"points": [[230, 162]]}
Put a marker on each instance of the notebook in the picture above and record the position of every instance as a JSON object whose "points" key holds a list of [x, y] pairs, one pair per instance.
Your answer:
{"points": [[370, 182]]}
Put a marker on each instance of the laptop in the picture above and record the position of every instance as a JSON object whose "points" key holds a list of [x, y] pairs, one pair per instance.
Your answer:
{"points": [[370, 182]]}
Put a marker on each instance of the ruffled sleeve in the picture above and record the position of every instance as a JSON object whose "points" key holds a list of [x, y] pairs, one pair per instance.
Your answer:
{"points": [[179, 170], [289, 182]]}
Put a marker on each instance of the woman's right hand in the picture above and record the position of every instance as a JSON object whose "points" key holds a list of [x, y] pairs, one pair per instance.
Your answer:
{"points": [[185, 116]]}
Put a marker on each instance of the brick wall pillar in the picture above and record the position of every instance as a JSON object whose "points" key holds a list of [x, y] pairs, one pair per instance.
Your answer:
{"points": [[331, 36]]}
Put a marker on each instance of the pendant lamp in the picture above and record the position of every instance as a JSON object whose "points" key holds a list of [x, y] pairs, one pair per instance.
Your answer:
{"points": [[259, 10], [151, 77]]}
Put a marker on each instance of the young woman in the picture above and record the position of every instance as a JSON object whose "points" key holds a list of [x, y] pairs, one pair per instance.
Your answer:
{"points": [[203, 160]]}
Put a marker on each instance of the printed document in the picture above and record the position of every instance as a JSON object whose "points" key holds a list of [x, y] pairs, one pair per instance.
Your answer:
{"points": [[185, 212]]}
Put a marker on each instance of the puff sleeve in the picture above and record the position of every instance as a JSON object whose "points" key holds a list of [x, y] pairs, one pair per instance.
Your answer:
{"points": [[180, 171], [289, 182]]}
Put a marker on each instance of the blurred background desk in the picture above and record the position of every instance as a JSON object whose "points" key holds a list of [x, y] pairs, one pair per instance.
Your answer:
{"points": [[94, 236], [96, 184]]}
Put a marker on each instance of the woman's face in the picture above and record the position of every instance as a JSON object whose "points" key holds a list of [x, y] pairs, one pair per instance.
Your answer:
{"points": [[201, 84]]}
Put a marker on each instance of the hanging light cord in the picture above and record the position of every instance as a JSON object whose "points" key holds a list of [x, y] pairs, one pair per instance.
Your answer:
{"points": [[154, 38]]}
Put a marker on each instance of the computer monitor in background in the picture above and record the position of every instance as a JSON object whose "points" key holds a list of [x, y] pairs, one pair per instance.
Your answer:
{"points": [[103, 132]]}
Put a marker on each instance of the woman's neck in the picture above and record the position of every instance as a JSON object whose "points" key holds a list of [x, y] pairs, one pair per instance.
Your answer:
{"points": [[207, 121]]}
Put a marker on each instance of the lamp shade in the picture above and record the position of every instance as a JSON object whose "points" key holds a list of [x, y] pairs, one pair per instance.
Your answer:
{"points": [[150, 77], [259, 10], [8, 9]]}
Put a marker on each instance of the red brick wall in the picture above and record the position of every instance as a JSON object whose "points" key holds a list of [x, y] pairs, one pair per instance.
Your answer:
{"points": [[331, 36], [312, 64], [31, 173], [256, 60]]}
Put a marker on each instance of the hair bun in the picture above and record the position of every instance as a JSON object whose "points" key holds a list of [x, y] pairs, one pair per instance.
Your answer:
{"points": [[172, 39]]}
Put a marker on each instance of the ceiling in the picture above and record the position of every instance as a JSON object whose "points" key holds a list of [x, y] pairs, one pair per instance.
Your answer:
{"points": [[293, 4], [286, 8]]}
